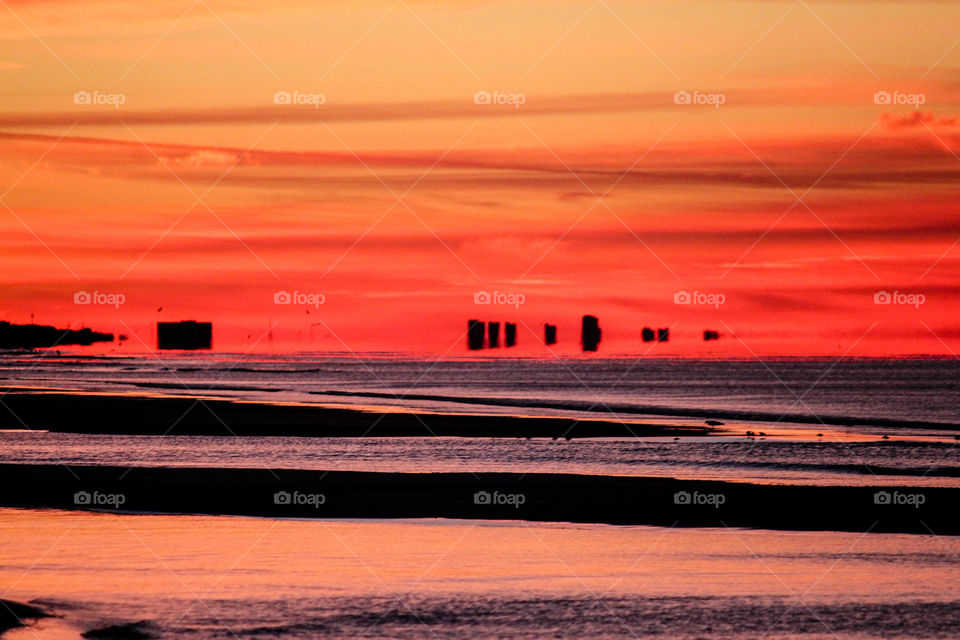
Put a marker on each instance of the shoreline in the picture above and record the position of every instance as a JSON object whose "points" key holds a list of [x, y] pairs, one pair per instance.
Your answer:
{"points": [[79, 412], [542, 497]]}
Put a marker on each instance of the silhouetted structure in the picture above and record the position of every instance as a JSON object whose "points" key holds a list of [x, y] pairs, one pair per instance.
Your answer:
{"points": [[187, 334], [649, 335], [38, 336], [510, 334], [710, 335], [475, 331], [550, 334], [590, 333], [663, 335], [493, 335]]}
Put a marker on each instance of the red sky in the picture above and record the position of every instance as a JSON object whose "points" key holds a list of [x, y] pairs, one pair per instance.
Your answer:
{"points": [[797, 200]]}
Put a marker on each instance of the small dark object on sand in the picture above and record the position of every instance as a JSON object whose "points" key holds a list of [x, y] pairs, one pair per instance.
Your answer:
{"points": [[819, 435], [750, 434], [885, 438], [713, 423]]}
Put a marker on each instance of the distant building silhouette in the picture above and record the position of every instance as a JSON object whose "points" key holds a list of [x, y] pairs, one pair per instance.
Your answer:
{"points": [[710, 335], [187, 334], [590, 333], [493, 334], [649, 335], [38, 336], [550, 334], [475, 331], [663, 335], [510, 334]]}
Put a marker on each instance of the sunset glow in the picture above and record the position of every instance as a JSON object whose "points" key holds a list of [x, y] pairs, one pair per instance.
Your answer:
{"points": [[398, 188]]}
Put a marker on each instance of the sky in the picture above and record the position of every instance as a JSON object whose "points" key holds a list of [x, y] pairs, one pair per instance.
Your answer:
{"points": [[364, 176]]}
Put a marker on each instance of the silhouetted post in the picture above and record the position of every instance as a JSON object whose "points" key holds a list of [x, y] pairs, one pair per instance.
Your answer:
{"points": [[663, 335], [648, 334], [710, 335], [475, 330], [510, 334], [550, 334], [590, 333], [187, 334], [493, 334]]}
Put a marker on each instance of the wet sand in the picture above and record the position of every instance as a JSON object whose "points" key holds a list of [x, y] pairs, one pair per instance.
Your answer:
{"points": [[173, 415], [285, 493]]}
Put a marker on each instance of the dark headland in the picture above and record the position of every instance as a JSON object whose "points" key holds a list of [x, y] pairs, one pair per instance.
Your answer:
{"points": [[40, 336], [14, 614], [622, 500]]}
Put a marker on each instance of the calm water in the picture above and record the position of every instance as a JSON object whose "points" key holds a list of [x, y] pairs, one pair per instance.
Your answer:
{"points": [[868, 389], [874, 390], [224, 577], [832, 462], [204, 577]]}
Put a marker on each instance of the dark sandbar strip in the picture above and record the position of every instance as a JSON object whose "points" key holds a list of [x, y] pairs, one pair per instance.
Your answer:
{"points": [[664, 411], [510, 496], [163, 415]]}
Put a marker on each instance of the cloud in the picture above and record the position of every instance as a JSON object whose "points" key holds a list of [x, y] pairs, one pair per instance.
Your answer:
{"points": [[915, 119]]}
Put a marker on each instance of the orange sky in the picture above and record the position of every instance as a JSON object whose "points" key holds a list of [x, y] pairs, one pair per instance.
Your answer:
{"points": [[397, 199]]}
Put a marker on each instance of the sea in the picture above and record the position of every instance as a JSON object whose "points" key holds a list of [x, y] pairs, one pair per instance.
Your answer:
{"points": [[783, 421]]}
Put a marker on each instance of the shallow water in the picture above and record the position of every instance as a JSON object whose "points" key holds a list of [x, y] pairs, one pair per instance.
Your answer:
{"points": [[911, 463], [216, 577], [915, 389]]}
